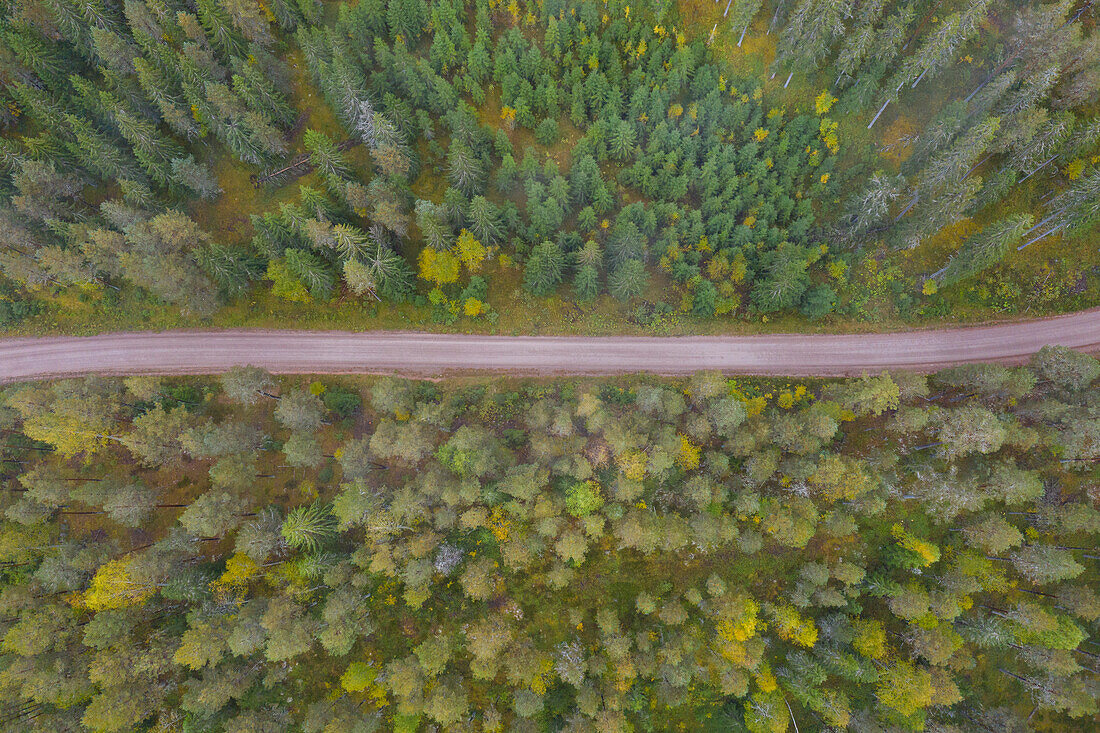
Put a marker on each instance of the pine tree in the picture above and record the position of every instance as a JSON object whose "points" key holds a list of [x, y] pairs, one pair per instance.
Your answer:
{"points": [[544, 268], [261, 95], [586, 283], [311, 271], [406, 18], [42, 58], [464, 168], [431, 220], [195, 177], [938, 49], [166, 97], [811, 29], [985, 249], [232, 268], [114, 51], [484, 220], [248, 17], [622, 139], [743, 13], [1074, 208], [98, 152], [327, 158], [860, 40], [628, 280], [154, 151], [219, 27]]}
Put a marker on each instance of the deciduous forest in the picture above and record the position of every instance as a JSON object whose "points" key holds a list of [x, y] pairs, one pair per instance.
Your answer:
{"points": [[590, 166], [246, 553]]}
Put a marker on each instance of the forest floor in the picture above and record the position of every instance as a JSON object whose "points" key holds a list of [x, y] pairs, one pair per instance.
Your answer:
{"points": [[420, 354]]}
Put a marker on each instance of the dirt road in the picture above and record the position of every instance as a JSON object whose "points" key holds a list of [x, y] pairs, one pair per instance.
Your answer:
{"points": [[423, 354]]}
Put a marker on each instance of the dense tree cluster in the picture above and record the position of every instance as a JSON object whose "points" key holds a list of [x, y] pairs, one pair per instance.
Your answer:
{"points": [[596, 144], [110, 98], [727, 183], [893, 552]]}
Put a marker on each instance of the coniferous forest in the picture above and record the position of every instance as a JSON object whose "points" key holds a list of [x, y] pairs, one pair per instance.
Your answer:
{"points": [[655, 165], [245, 553]]}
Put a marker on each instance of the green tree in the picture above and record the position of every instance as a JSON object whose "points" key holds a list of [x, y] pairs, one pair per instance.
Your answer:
{"points": [[484, 220], [300, 410], [628, 281], [465, 169], [543, 270], [246, 384], [1065, 368], [309, 527], [310, 271], [214, 514]]}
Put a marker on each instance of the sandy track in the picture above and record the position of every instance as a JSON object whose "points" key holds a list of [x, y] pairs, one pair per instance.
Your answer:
{"points": [[426, 354]]}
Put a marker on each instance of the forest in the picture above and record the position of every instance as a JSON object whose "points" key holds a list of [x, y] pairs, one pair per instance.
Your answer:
{"points": [[442, 164], [249, 553]]}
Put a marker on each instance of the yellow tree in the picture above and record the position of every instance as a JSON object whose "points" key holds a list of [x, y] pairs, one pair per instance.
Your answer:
{"points": [[115, 587], [74, 416], [439, 267]]}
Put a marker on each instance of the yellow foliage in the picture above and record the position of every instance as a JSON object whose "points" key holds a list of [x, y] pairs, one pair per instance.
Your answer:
{"points": [[755, 406], [740, 621], [870, 638], [625, 673], [827, 129], [68, 430], [633, 464], [765, 680], [824, 102], [538, 684], [928, 552], [358, 677], [688, 457], [905, 688], [473, 307], [498, 524], [239, 570], [929, 287], [675, 110], [284, 284], [114, 587], [194, 650], [837, 477], [438, 267], [761, 134], [792, 627], [1074, 170], [470, 251]]}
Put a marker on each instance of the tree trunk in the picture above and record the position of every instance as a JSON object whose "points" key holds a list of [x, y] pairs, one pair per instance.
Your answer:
{"points": [[1044, 235], [875, 119], [1044, 165]]}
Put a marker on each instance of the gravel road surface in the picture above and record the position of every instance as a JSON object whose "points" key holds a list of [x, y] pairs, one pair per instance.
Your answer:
{"points": [[427, 354]]}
